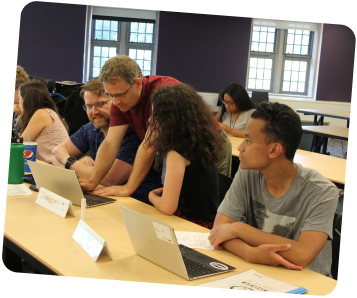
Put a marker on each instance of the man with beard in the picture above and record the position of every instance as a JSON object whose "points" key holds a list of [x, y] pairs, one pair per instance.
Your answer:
{"points": [[89, 138]]}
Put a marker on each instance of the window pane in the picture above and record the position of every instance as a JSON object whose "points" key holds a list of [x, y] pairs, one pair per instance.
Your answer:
{"points": [[271, 37], [147, 65], [267, 74], [253, 62], [112, 52], [106, 25], [268, 63], [301, 87], [294, 76], [302, 76], [288, 65], [287, 75], [298, 31], [305, 40], [298, 39], [255, 28], [286, 86], [133, 37], [303, 66], [147, 55], [96, 72], [142, 27], [141, 37], [98, 24], [105, 52], [114, 36], [263, 29], [106, 35], [252, 73], [260, 63], [103, 60], [98, 34], [296, 65], [255, 46], [290, 39], [97, 51], [293, 87], [262, 47], [263, 37], [134, 27], [260, 73], [289, 49], [270, 47], [96, 62], [259, 84], [140, 63], [266, 84], [114, 25], [255, 36], [297, 49], [304, 50], [149, 28], [140, 54], [132, 54], [251, 84], [148, 38], [271, 30]]}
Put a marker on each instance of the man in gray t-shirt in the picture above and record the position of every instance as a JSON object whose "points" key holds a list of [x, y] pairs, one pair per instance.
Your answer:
{"points": [[276, 212]]}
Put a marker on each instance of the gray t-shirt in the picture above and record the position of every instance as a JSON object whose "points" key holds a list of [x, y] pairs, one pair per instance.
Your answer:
{"points": [[308, 205], [241, 121]]}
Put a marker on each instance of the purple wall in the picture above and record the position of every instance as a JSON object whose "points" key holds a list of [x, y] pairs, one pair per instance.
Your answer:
{"points": [[51, 42], [336, 64], [206, 51]]}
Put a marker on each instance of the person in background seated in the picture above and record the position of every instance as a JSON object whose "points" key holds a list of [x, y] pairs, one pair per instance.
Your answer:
{"points": [[40, 119], [276, 212], [90, 136], [236, 110], [21, 77], [184, 133]]}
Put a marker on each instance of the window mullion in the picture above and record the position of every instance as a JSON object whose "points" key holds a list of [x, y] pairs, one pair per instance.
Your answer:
{"points": [[279, 67]]}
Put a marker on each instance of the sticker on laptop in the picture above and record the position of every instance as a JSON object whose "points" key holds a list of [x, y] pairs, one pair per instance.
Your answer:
{"points": [[163, 232], [218, 266]]}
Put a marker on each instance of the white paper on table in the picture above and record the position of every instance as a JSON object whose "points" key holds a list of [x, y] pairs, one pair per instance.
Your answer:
{"points": [[18, 190], [193, 239], [252, 281]]}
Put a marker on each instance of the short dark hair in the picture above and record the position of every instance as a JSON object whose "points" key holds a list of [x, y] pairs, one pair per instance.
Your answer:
{"points": [[239, 96], [281, 124]]}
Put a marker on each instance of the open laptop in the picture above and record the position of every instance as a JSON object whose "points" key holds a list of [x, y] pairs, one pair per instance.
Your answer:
{"points": [[156, 242], [64, 183]]}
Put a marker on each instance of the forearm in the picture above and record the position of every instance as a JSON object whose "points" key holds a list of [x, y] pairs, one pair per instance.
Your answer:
{"points": [[142, 164], [105, 158], [239, 248]]}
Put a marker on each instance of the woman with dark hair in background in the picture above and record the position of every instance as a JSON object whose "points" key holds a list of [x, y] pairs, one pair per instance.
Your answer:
{"points": [[21, 77], [236, 110], [186, 136], [40, 119]]}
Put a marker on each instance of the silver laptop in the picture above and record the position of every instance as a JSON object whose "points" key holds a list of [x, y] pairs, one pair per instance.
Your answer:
{"points": [[156, 242], [64, 183]]}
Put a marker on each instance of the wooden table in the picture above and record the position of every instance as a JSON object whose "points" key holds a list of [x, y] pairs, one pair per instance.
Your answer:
{"points": [[48, 238], [333, 168], [325, 113], [325, 132]]}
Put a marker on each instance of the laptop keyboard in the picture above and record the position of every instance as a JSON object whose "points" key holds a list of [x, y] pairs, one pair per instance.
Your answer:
{"points": [[195, 269]]}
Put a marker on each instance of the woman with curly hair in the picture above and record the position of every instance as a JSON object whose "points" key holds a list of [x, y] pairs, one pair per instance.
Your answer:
{"points": [[186, 137]]}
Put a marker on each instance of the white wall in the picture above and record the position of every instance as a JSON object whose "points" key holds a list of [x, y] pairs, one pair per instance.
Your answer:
{"points": [[298, 103]]}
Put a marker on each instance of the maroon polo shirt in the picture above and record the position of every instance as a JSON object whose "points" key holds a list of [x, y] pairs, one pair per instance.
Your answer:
{"points": [[137, 117]]}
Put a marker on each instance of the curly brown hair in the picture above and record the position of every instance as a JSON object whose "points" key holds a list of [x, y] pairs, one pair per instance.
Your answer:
{"points": [[21, 77], [95, 86], [184, 123]]}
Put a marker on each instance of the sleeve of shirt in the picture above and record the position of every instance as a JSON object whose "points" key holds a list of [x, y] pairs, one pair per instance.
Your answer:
{"points": [[80, 138], [117, 117], [234, 205], [322, 210]]}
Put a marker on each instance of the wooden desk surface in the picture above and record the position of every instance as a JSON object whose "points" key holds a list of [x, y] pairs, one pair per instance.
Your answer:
{"points": [[326, 113], [328, 130], [48, 238], [333, 168]]}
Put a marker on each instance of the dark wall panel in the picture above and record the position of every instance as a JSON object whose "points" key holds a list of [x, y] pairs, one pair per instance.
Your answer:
{"points": [[205, 51], [51, 41], [336, 64]]}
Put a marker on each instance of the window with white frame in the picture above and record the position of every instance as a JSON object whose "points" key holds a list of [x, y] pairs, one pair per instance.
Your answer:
{"points": [[280, 58], [111, 36]]}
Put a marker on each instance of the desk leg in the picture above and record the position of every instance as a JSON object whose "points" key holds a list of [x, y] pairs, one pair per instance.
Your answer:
{"points": [[11, 260]]}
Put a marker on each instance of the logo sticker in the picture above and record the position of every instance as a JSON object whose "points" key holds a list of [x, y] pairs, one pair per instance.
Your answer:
{"points": [[219, 266], [28, 154]]}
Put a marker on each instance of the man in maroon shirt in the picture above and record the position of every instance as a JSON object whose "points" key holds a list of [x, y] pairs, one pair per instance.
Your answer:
{"points": [[131, 96]]}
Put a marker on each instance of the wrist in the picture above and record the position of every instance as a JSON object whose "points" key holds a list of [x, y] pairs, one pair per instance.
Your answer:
{"points": [[64, 160]]}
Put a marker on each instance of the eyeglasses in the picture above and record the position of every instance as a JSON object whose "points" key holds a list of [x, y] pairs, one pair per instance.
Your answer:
{"points": [[229, 104], [99, 104], [110, 96]]}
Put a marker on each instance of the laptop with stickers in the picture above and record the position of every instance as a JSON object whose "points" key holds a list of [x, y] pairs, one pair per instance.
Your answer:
{"points": [[156, 242]]}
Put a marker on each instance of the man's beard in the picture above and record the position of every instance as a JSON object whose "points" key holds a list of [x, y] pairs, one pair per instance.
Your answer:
{"points": [[103, 123]]}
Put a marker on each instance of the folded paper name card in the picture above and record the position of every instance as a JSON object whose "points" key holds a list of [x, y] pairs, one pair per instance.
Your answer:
{"points": [[90, 241], [54, 203]]}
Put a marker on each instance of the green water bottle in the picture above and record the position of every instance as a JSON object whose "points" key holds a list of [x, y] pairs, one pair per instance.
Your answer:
{"points": [[17, 159]]}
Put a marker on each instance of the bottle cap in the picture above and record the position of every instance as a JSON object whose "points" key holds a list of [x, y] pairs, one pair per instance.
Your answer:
{"points": [[15, 139]]}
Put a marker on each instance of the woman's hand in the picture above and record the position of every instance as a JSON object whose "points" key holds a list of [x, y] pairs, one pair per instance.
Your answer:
{"points": [[115, 190], [226, 128]]}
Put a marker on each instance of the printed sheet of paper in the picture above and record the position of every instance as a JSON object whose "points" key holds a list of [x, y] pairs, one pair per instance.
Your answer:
{"points": [[253, 281], [193, 240], [18, 190]]}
